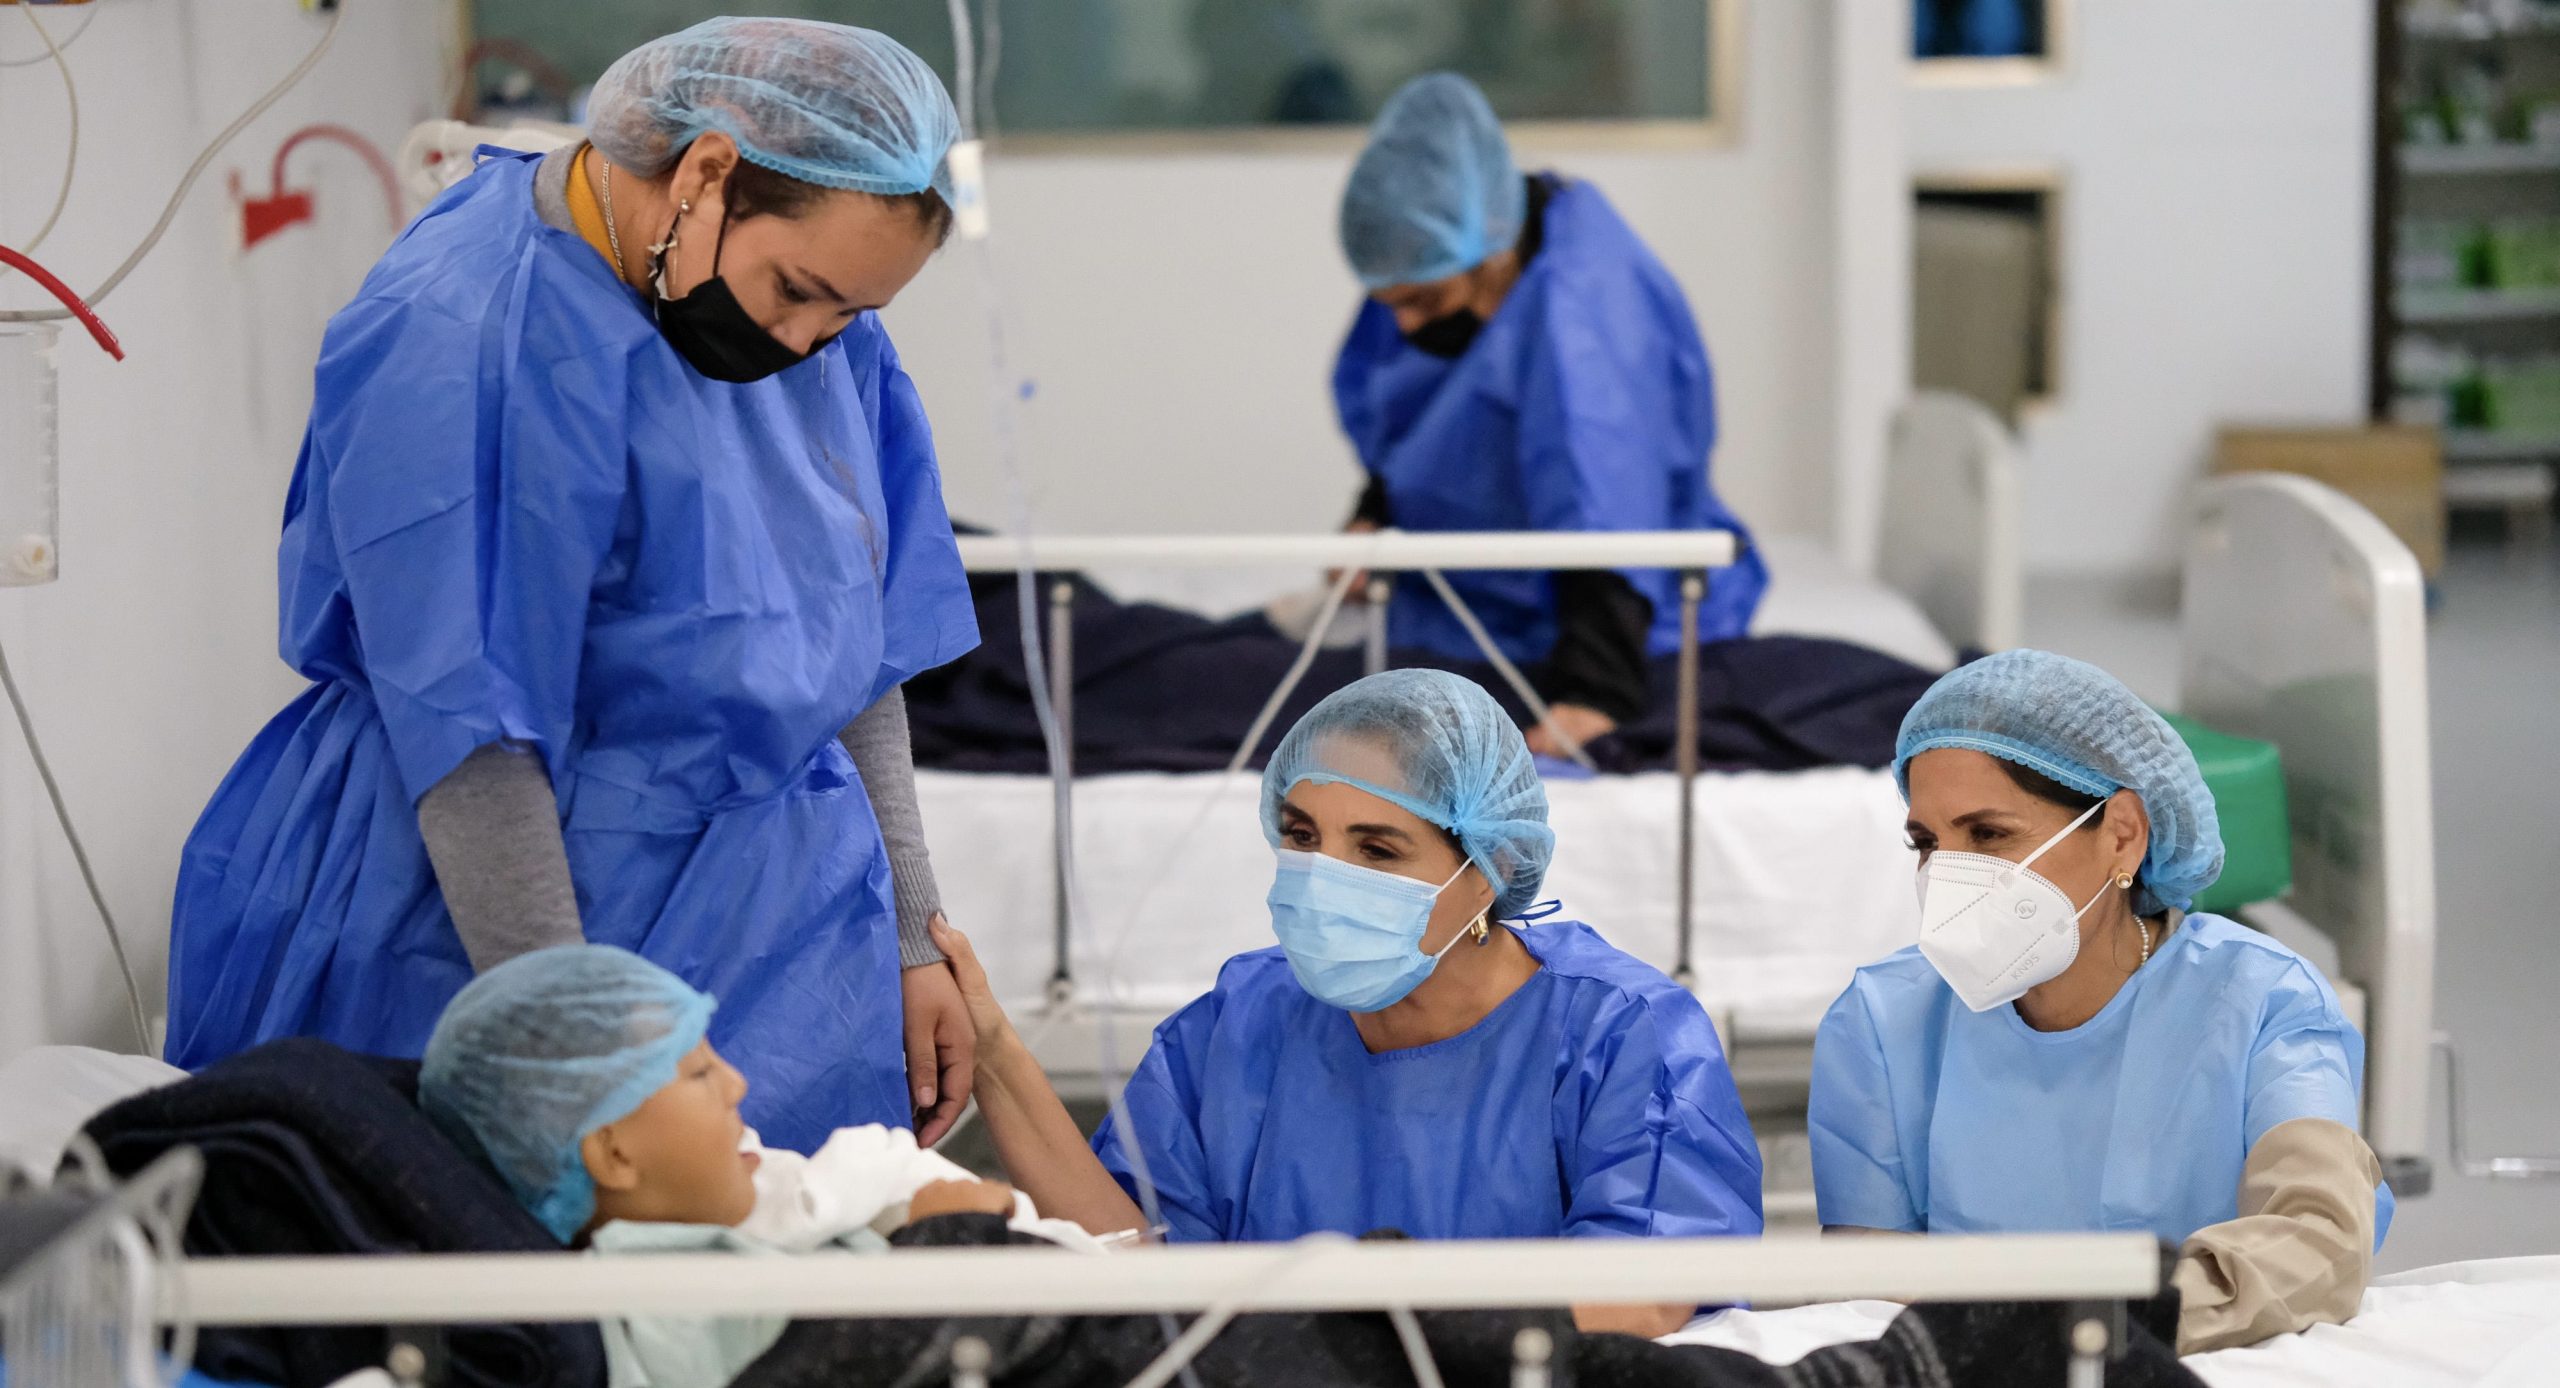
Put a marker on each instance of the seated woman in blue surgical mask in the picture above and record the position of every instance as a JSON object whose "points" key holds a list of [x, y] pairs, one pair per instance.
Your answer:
{"points": [[1415, 1055], [2067, 1049]]}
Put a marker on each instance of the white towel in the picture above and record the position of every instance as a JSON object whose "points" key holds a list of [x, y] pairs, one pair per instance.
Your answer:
{"points": [[862, 1179]]}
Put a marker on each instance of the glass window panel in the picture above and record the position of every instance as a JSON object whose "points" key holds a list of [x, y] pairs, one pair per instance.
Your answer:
{"points": [[1097, 66]]}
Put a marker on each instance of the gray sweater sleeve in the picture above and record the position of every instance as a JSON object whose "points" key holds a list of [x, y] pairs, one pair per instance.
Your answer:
{"points": [[492, 829], [885, 754]]}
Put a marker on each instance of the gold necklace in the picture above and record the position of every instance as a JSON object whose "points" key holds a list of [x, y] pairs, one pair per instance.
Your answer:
{"points": [[612, 234]]}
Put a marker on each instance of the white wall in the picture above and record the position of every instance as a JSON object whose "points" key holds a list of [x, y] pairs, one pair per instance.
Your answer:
{"points": [[152, 661], [1178, 314], [2217, 166]]}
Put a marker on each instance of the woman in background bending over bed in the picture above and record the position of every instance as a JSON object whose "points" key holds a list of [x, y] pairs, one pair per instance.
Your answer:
{"points": [[2065, 1048], [1412, 1056], [1524, 362]]}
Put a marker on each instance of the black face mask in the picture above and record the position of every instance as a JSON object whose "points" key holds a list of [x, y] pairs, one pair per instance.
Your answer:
{"points": [[1449, 335], [710, 330]]}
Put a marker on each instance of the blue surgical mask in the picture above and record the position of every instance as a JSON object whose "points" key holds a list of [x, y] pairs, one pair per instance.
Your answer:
{"points": [[1354, 934]]}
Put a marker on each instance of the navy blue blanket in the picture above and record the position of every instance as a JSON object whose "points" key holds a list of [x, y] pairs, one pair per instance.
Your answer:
{"points": [[1159, 689], [311, 1150]]}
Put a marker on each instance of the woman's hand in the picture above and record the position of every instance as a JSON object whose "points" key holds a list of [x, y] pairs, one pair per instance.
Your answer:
{"points": [[1584, 725], [1035, 1138], [960, 1197], [942, 1049], [1645, 1322], [987, 1020]]}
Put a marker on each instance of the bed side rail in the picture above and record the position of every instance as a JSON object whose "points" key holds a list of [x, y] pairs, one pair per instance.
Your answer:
{"points": [[2305, 625]]}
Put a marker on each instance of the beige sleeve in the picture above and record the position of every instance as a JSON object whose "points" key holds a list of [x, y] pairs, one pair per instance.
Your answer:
{"points": [[2299, 1253]]}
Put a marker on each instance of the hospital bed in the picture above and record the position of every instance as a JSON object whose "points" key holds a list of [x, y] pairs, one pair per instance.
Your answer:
{"points": [[2495, 1324], [1799, 877], [2303, 626]]}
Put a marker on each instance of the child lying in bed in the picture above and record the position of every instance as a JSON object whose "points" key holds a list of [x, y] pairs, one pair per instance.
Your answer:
{"points": [[583, 1076]]}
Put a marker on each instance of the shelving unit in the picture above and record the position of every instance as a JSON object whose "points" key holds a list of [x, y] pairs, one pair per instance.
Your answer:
{"points": [[2503, 157], [2486, 446], [2463, 317], [2471, 25], [2419, 307]]}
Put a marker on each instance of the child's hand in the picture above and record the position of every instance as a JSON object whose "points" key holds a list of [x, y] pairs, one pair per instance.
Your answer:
{"points": [[960, 1197]]}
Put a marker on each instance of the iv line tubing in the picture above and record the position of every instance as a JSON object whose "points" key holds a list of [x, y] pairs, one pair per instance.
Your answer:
{"points": [[71, 152], [169, 212], [79, 855]]}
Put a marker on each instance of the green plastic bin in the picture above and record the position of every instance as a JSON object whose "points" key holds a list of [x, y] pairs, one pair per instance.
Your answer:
{"points": [[2246, 777]]}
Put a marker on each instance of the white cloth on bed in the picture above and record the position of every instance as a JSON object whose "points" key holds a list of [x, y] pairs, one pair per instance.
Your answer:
{"points": [[2493, 1324], [860, 1181], [1802, 876], [1787, 1335], [849, 1197], [50, 1093], [2489, 1324]]}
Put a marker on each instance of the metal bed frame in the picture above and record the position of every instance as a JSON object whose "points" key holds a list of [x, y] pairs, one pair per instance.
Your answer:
{"points": [[1691, 553], [2093, 1276]]}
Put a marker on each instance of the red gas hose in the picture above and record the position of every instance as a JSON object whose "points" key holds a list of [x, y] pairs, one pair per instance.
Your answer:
{"points": [[71, 301], [372, 157]]}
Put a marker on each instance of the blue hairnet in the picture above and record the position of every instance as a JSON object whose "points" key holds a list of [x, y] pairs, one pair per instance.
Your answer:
{"points": [[824, 103], [1439, 747], [546, 1048], [1435, 193], [2079, 726]]}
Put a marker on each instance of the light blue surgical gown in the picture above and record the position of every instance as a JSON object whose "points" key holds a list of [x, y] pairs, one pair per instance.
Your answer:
{"points": [[1595, 1100], [1586, 403], [519, 516], [1927, 1116]]}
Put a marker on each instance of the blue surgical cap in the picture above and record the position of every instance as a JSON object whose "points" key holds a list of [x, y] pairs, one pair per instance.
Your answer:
{"points": [[546, 1048], [2080, 727], [1437, 746], [824, 103], [1435, 193]]}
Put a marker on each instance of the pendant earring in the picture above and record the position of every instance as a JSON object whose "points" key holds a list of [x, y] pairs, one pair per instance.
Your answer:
{"points": [[1483, 927], [684, 208]]}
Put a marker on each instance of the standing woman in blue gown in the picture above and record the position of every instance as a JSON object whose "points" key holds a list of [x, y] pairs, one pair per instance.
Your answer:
{"points": [[616, 529], [1523, 362]]}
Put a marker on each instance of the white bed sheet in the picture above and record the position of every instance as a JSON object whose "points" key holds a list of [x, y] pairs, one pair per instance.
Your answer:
{"points": [[1802, 877], [49, 1093], [2489, 1324]]}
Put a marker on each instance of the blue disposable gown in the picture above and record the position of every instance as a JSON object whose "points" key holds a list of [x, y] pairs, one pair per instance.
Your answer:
{"points": [[1586, 403], [1927, 1116], [1595, 1100], [519, 516]]}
